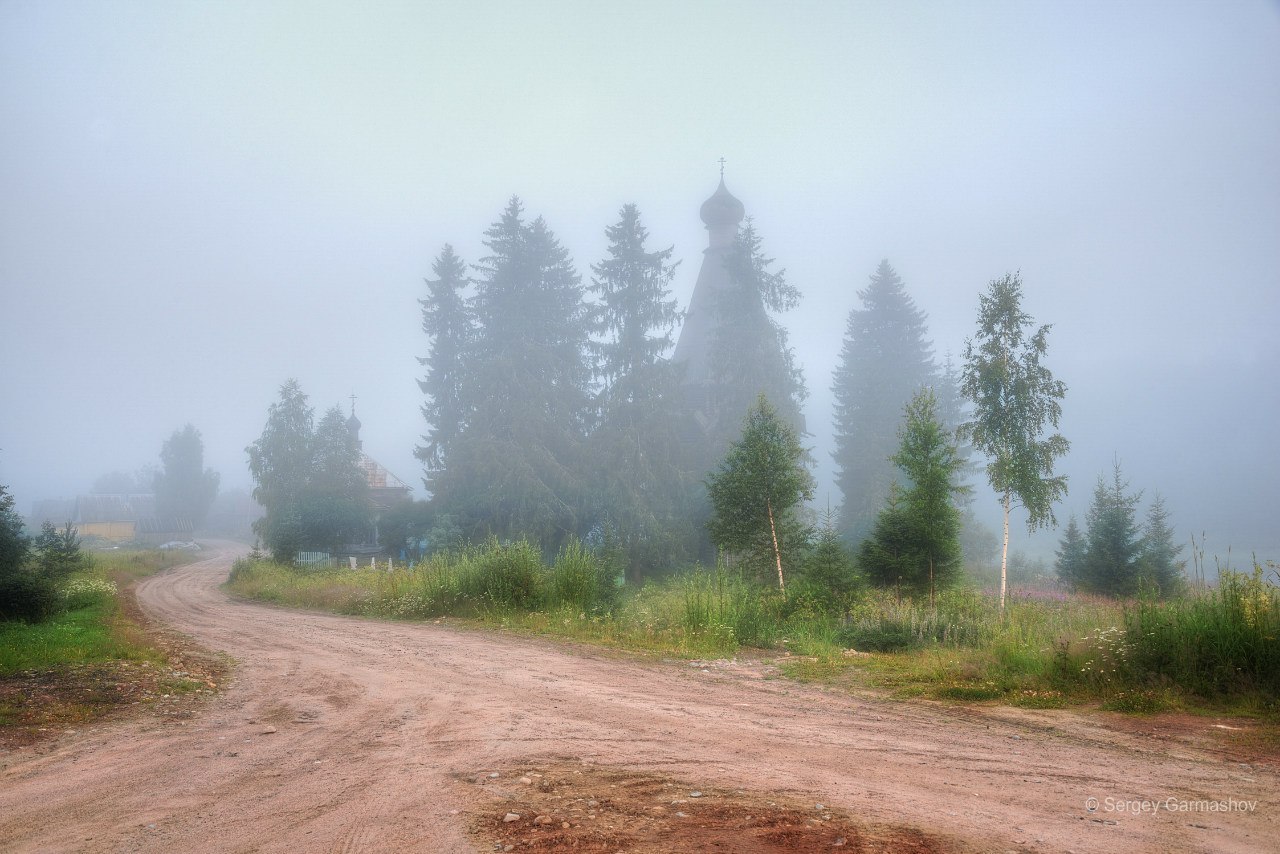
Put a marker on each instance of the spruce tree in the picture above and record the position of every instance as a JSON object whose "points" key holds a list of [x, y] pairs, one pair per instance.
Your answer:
{"points": [[516, 469], [447, 323], [57, 552], [641, 480], [830, 571], [931, 465], [885, 359], [887, 557], [756, 493], [1071, 554], [923, 529], [1158, 561], [749, 351], [25, 593], [1111, 565], [635, 313], [307, 478], [1015, 400]]}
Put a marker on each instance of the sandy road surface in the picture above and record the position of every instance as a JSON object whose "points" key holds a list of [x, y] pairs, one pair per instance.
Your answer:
{"points": [[375, 721]]}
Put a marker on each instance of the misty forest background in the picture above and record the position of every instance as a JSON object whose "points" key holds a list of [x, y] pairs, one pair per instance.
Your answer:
{"points": [[203, 201], [554, 412]]}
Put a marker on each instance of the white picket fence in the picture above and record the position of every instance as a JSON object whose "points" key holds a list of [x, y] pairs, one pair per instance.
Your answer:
{"points": [[316, 560], [323, 560]]}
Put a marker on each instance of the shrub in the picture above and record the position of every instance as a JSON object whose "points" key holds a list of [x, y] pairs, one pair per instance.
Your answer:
{"points": [[445, 536], [57, 552], [811, 599], [27, 596], [884, 634], [443, 581], [508, 575], [242, 567], [29, 590]]}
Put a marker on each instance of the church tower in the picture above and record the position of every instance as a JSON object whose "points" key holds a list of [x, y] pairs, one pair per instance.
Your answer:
{"points": [[721, 213]]}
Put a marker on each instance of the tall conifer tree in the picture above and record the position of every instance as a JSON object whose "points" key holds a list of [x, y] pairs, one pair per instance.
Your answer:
{"points": [[919, 529], [14, 543], [307, 478], [635, 313], [641, 479], [184, 488], [447, 322], [928, 458], [516, 468], [886, 358], [953, 412]]}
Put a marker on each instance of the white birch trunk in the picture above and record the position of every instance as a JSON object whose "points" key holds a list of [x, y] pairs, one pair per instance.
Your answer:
{"points": [[1004, 554], [776, 553]]}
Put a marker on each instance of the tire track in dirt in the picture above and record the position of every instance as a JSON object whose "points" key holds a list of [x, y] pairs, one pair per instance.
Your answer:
{"points": [[340, 734]]}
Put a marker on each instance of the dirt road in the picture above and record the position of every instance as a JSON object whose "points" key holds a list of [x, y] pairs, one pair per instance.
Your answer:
{"points": [[350, 735]]}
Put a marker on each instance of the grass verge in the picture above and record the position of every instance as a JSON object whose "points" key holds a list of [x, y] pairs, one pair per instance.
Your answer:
{"points": [[1049, 650], [98, 655]]}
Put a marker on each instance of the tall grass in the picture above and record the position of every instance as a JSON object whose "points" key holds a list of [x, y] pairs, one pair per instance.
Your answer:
{"points": [[729, 610], [584, 580], [493, 578], [1222, 641]]}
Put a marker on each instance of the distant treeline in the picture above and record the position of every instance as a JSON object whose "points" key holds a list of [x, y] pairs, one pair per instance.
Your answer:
{"points": [[554, 408], [555, 412]]}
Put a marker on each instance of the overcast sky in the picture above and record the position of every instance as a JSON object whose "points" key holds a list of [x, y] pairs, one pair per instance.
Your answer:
{"points": [[200, 200]]}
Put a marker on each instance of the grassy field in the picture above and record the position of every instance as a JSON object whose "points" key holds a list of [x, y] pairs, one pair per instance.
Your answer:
{"points": [[1212, 651]]}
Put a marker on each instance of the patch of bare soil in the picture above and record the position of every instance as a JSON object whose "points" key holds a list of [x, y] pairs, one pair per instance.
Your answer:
{"points": [[1235, 739], [36, 705], [564, 806]]}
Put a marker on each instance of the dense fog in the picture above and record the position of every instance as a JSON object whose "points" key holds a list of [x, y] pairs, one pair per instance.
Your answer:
{"points": [[200, 201]]}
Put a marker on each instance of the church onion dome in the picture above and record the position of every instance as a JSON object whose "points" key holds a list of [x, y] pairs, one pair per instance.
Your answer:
{"points": [[722, 209], [353, 425]]}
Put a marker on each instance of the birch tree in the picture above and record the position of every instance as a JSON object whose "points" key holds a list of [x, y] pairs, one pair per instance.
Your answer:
{"points": [[1015, 401], [756, 492]]}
